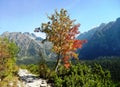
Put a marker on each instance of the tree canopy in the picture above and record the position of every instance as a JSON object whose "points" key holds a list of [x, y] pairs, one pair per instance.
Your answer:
{"points": [[61, 31]]}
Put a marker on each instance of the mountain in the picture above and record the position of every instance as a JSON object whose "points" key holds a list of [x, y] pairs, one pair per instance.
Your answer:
{"points": [[103, 40], [31, 47], [88, 35]]}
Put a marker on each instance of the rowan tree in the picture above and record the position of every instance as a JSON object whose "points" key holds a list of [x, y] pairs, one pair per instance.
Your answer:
{"points": [[61, 31]]}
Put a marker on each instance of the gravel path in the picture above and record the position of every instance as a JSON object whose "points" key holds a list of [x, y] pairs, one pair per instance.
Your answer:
{"points": [[31, 80]]}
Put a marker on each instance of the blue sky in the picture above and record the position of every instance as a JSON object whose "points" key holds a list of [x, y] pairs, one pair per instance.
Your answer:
{"points": [[25, 15]]}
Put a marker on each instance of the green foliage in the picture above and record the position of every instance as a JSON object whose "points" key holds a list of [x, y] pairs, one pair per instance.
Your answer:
{"points": [[33, 68], [109, 63], [27, 60], [8, 68], [22, 66], [9, 81], [81, 75], [44, 71]]}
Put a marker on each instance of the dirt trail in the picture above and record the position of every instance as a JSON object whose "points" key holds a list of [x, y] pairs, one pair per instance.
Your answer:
{"points": [[31, 80]]}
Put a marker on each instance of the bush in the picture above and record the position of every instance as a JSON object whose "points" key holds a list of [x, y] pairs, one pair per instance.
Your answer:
{"points": [[33, 68], [81, 75], [109, 63], [8, 68], [44, 71]]}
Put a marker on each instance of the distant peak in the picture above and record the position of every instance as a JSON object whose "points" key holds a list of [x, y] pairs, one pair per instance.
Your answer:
{"points": [[26, 33], [118, 19], [6, 32], [102, 24]]}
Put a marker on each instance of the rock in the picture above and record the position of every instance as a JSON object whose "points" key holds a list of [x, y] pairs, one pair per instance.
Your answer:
{"points": [[31, 80]]}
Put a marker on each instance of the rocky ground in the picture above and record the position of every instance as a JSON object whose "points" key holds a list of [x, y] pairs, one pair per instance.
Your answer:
{"points": [[31, 80]]}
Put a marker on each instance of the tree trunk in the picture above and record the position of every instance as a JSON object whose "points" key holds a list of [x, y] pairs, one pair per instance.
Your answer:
{"points": [[57, 63]]}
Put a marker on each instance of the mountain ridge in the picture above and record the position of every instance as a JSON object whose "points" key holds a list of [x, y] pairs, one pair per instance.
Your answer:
{"points": [[31, 47], [102, 41]]}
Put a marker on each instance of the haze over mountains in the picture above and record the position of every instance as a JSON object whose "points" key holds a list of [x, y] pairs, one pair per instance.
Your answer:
{"points": [[103, 40]]}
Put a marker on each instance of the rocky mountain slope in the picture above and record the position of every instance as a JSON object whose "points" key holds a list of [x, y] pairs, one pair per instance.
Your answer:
{"points": [[31, 47], [89, 34], [103, 40]]}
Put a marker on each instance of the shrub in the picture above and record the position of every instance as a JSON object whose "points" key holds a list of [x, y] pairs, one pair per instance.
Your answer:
{"points": [[81, 75], [8, 68], [33, 68], [44, 71]]}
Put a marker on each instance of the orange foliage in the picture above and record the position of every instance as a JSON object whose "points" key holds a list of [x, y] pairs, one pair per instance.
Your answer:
{"points": [[67, 65], [72, 45], [61, 31]]}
